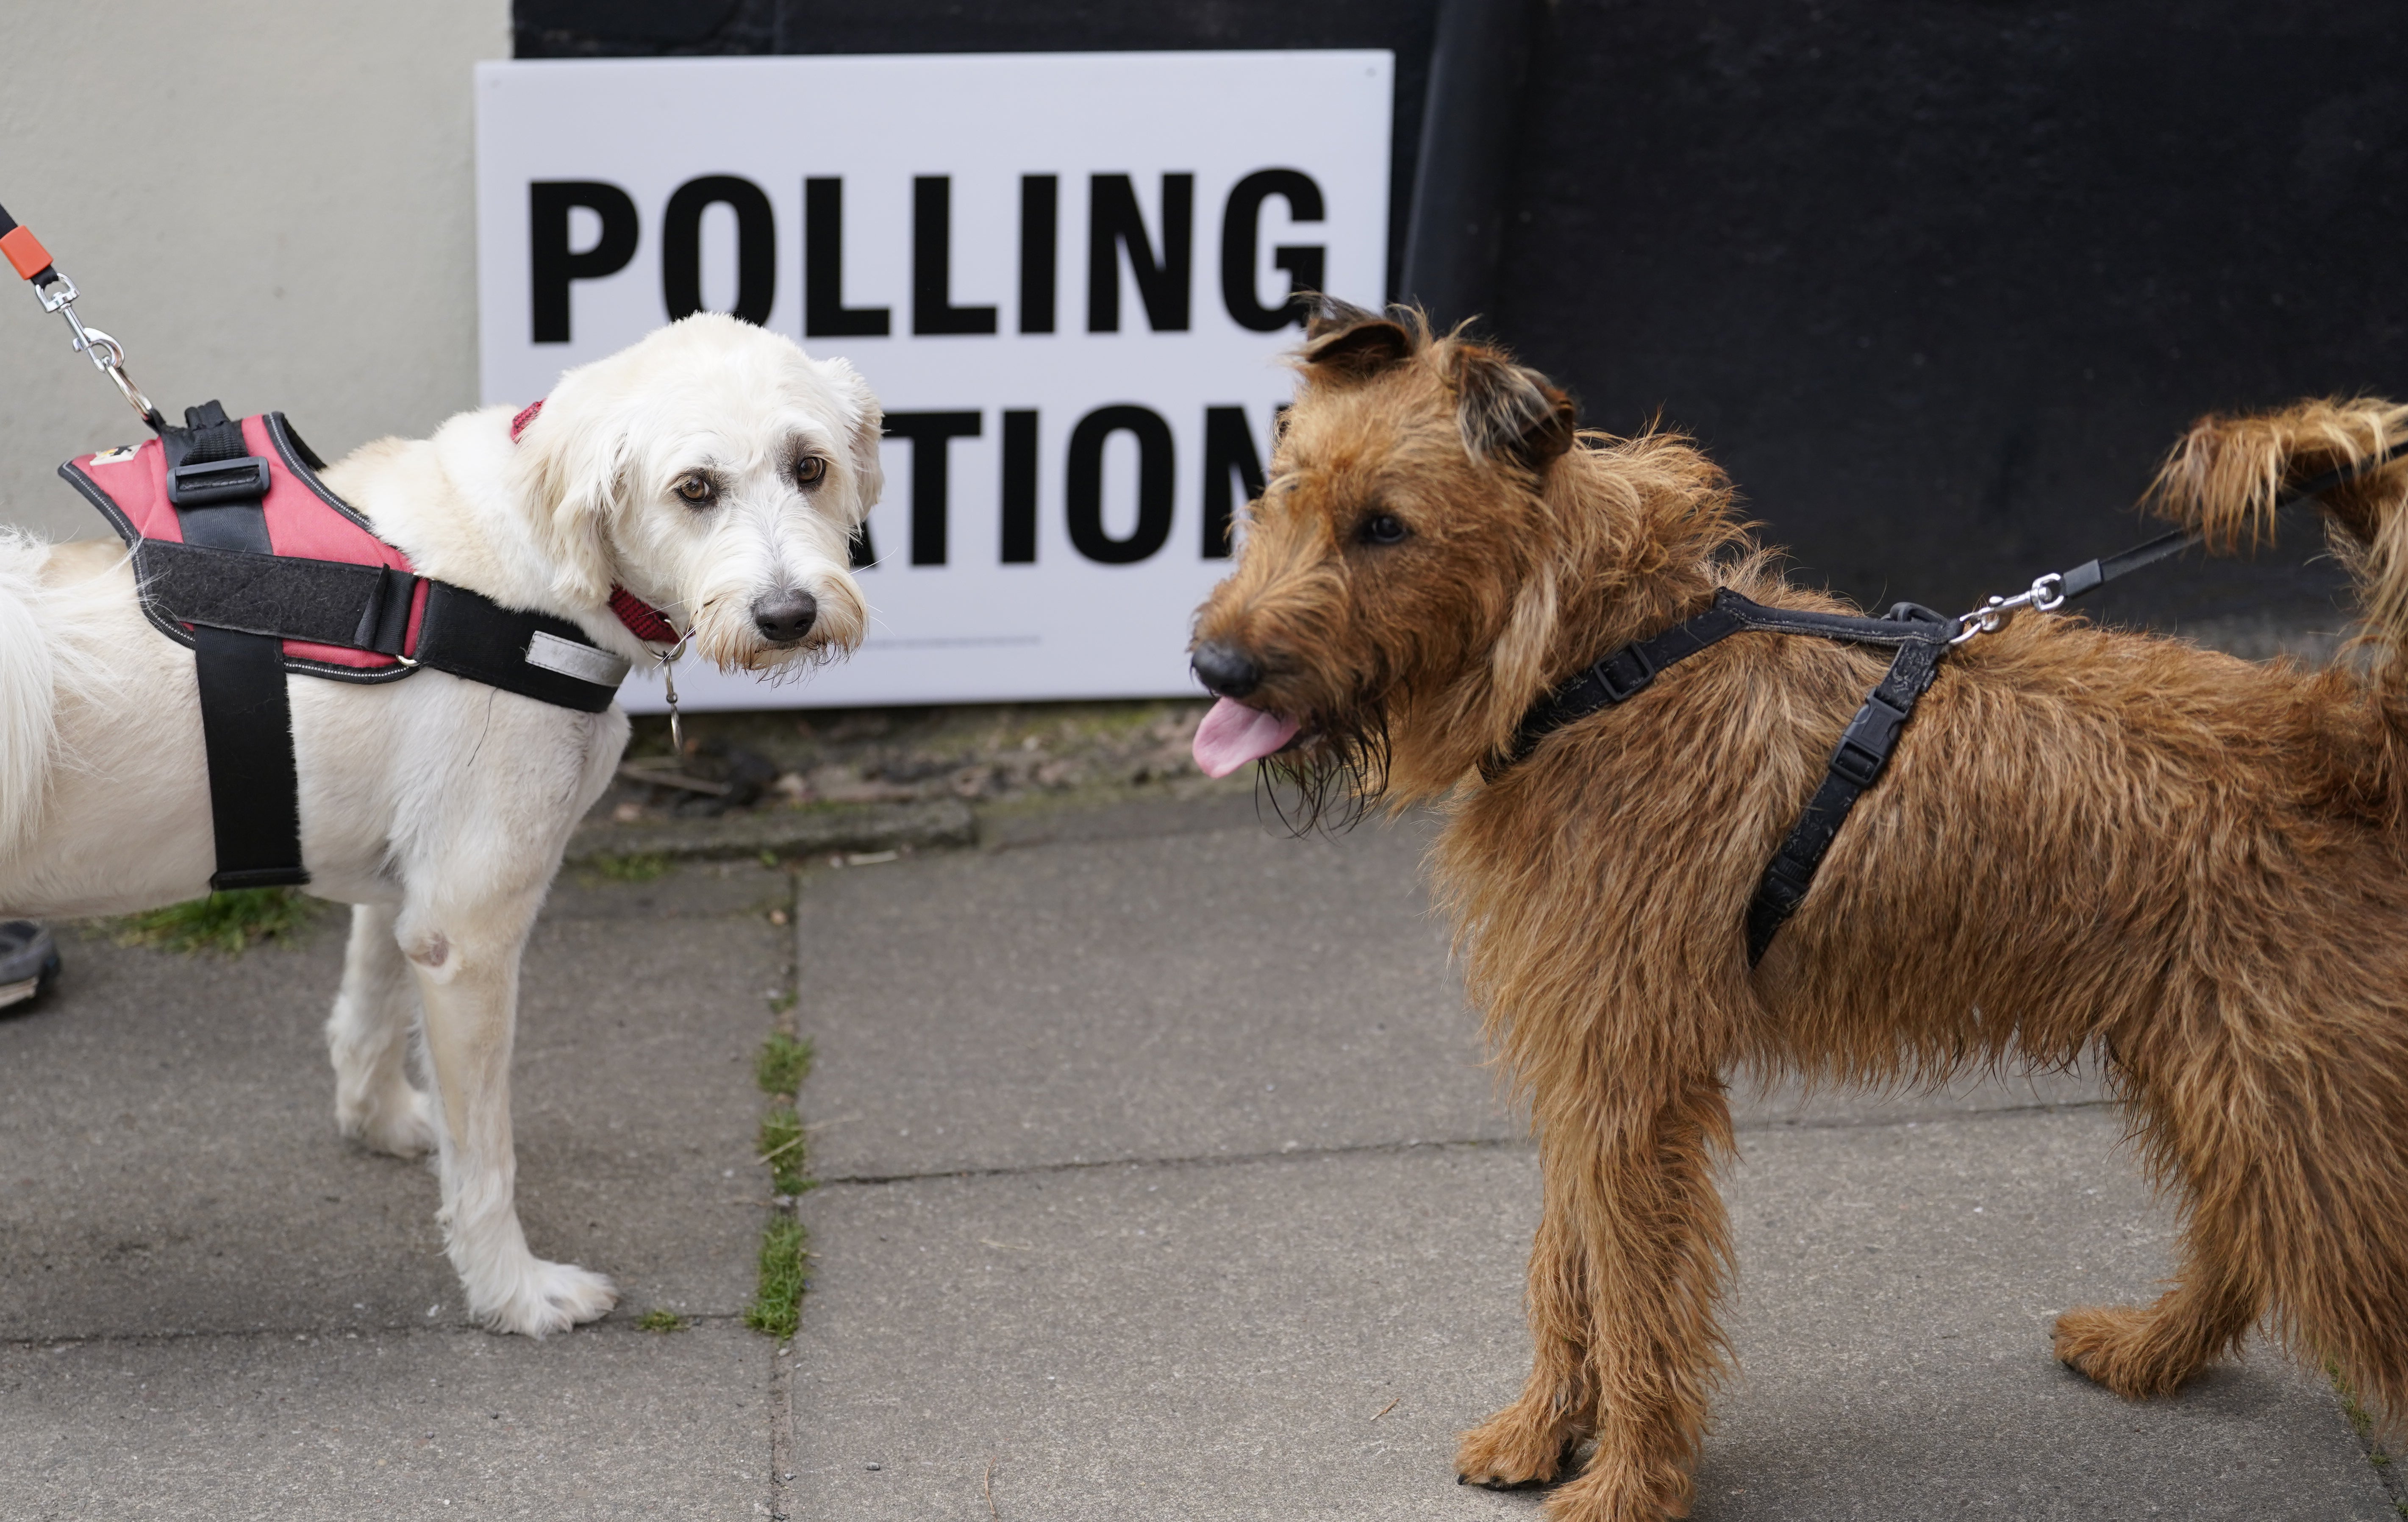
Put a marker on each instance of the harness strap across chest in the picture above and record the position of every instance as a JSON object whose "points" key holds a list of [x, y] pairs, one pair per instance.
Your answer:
{"points": [[1921, 638]]}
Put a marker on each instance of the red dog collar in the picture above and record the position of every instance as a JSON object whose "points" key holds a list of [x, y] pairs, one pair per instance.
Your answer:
{"points": [[644, 621]]}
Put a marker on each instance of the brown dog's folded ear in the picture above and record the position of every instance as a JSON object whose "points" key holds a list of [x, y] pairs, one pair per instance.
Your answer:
{"points": [[1507, 411], [1343, 341]]}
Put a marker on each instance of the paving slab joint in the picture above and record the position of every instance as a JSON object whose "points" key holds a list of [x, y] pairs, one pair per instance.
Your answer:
{"points": [[818, 830], [1220, 1159], [2371, 1441]]}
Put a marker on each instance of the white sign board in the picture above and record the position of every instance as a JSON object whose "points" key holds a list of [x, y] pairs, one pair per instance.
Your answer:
{"points": [[1067, 277]]}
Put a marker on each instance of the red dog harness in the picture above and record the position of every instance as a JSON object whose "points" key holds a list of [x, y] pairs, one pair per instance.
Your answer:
{"points": [[241, 553], [245, 556]]}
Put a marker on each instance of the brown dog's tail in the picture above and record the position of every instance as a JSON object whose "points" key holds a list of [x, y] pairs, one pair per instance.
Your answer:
{"points": [[2228, 474]]}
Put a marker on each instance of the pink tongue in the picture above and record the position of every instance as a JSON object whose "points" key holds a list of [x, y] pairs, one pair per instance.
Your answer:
{"points": [[1233, 733]]}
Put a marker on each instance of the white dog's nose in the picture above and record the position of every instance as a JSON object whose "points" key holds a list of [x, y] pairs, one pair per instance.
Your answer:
{"points": [[785, 616]]}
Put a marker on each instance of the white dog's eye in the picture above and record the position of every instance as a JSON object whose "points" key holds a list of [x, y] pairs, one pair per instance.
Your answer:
{"points": [[810, 470], [695, 489]]}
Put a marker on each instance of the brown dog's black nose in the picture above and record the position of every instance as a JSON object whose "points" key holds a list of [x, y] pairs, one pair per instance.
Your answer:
{"points": [[1226, 670], [784, 617]]}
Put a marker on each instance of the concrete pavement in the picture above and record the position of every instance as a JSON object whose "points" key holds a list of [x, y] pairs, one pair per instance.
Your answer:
{"points": [[1159, 1179], [211, 1305]]}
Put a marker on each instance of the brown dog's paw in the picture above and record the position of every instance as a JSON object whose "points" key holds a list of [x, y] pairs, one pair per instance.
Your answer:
{"points": [[1607, 1491], [2108, 1345], [1513, 1450]]}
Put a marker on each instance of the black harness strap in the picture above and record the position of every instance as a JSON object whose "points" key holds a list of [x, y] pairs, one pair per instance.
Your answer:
{"points": [[1922, 639], [218, 489], [325, 602], [1856, 764]]}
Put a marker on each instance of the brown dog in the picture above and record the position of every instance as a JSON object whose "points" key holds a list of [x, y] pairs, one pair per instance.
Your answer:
{"points": [[2086, 842]]}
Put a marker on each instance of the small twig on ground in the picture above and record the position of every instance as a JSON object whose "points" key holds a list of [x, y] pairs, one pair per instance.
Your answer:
{"points": [[1389, 1407], [990, 1492], [672, 779]]}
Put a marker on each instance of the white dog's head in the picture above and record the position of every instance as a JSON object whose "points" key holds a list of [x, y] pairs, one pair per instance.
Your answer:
{"points": [[718, 472]]}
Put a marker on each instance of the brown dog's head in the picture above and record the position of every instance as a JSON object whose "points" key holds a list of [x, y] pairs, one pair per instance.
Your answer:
{"points": [[1400, 597]]}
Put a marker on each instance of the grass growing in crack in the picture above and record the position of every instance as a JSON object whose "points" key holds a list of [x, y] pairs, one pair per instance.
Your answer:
{"points": [[227, 923], [783, 1065], [632, 867], [783, 1149], [2361, 1422], [662, 1320], [777, 1306]]}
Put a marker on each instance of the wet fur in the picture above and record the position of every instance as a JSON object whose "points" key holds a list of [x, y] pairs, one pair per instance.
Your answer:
{"points": [[2089, 842]]}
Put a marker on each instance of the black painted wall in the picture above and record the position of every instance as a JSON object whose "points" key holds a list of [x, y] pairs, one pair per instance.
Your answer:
{"points": [[1937, 280]]}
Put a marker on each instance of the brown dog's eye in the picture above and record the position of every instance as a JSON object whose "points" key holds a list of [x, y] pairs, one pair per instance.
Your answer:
{"points": [[694, 489], [810, 470], [1383, 528]]}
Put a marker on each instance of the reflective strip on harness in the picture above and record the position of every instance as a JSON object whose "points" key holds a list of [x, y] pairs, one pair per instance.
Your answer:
{"points": [[586, 663]]}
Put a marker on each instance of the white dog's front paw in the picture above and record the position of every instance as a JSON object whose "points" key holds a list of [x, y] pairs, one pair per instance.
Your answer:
{"points": [[400, 1120], [550, 1298]]}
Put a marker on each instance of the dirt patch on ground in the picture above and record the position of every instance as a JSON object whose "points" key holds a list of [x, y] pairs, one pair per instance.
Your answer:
{"points": [[978, 754]]}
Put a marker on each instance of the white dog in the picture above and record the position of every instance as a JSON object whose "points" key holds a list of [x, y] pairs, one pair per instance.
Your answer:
{"points": [[712, 470]]}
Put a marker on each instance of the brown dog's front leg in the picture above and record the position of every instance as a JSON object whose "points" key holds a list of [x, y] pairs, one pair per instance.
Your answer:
{"points": [[1528, 1442], [1653, 1232]]}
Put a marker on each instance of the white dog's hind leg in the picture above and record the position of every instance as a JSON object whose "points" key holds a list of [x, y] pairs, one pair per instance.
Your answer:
{"points": [[368, 1036], [27, 699], [467, 967]]}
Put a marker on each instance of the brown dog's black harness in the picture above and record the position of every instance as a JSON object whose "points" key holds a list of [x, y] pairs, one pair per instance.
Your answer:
{"points": [[1921, 637]]}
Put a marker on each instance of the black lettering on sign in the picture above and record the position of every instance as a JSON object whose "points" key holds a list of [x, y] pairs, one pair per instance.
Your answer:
{"points": [[756, 247], [824, 313], [553, 265], [1114, 223], [861, 554], [932, 262], [1083, 484], [1039, 216], [1241, 229], [1020, 488], [929, 433], [1229, 459]]}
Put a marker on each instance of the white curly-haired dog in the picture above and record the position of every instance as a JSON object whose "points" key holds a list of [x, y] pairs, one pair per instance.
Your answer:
{"points": [[712, 470]]}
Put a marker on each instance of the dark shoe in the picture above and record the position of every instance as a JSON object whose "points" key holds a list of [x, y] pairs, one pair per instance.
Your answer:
{"points": [[29, 962]]}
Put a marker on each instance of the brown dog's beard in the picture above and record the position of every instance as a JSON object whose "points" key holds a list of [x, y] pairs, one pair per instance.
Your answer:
{"points": [[1335, 772]]}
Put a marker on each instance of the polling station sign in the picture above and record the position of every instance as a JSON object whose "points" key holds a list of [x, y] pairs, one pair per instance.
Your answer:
{"points": [[1069, 278]]}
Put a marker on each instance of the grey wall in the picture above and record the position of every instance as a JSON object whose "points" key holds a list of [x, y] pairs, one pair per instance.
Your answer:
{"points": [[1938, 279], [268, 201]]}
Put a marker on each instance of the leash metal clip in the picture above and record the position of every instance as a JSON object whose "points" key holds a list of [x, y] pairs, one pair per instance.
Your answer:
{"points": [[2047, 595], [105, 353], [668, 659]]}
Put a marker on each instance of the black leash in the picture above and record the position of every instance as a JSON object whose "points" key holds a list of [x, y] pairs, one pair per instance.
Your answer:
{"points": [[1923, 639], [2054, 590]]}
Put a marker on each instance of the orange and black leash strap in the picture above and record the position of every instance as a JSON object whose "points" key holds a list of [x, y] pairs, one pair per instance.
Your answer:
{"points": [[25, 253], [57, 294]]}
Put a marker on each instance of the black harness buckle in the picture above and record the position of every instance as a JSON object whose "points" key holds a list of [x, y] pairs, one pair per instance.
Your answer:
{"points": [[205, 483], [1624, 674], [1864, 748]]}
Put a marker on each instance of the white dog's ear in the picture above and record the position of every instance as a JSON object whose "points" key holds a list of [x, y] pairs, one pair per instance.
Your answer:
{"points": [[577, 472], [868, 426]]}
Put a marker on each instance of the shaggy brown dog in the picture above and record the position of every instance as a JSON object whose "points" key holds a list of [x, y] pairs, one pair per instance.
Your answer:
{"points": [[2086, 842]]}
